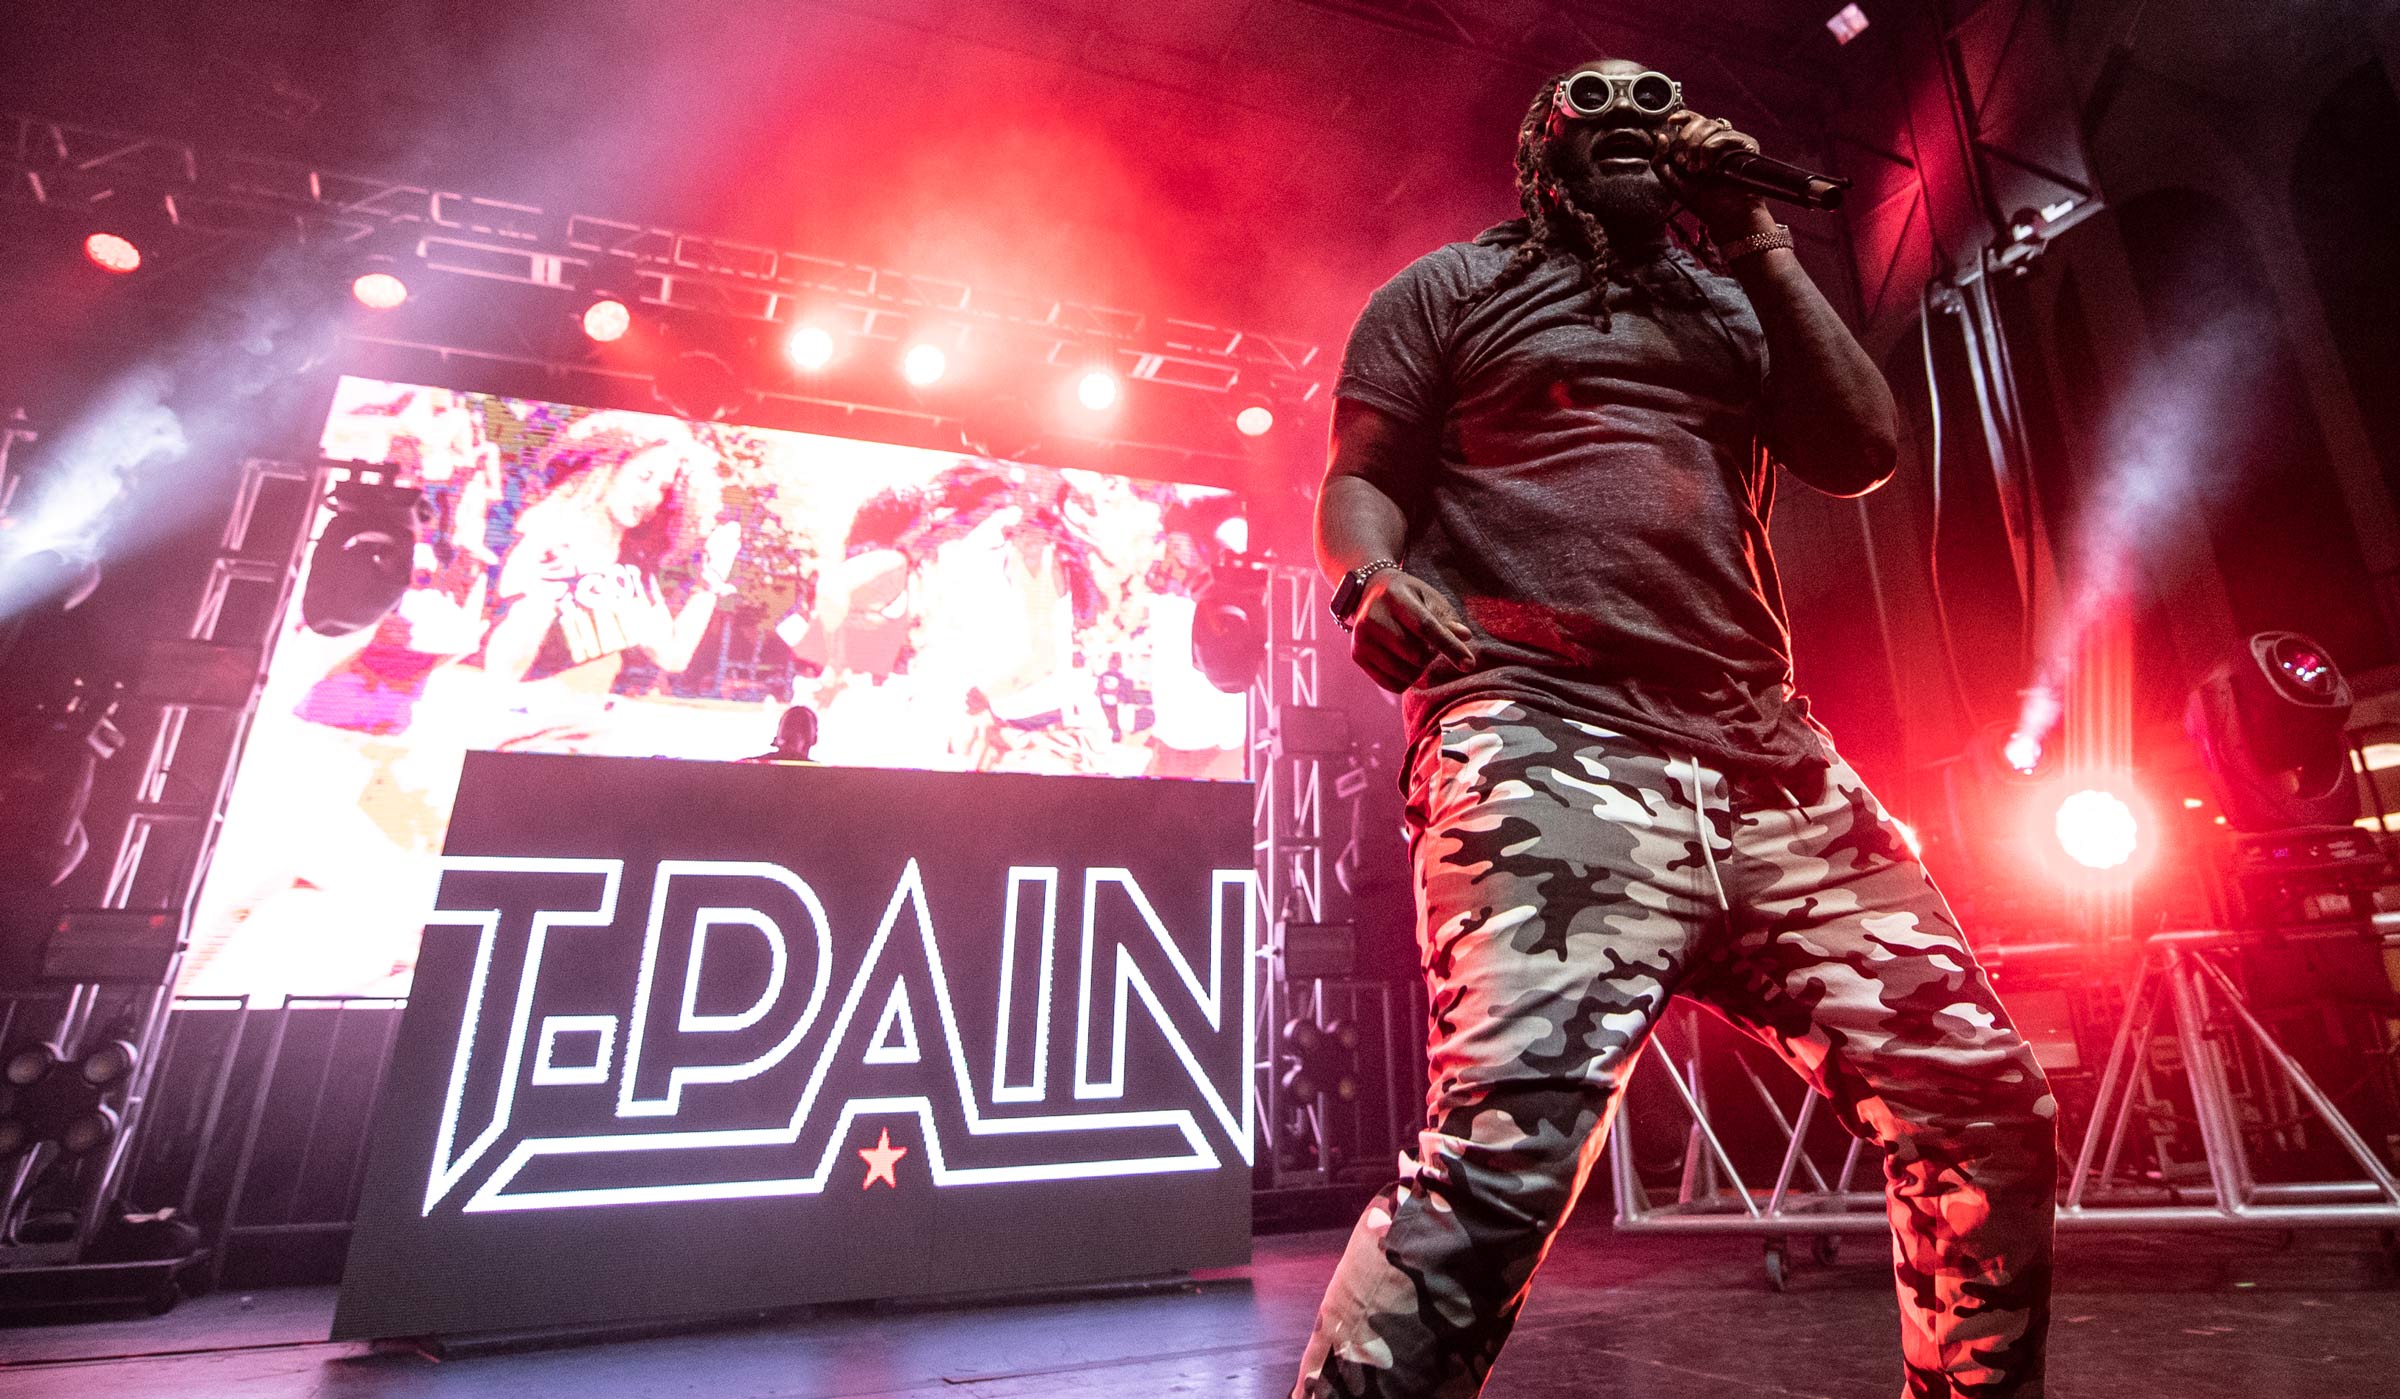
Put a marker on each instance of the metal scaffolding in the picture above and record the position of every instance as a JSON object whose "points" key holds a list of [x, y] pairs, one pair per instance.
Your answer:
{"points": [[2220, 1057], [222, 198], [1297, 746], [1288, 834], [194, 738]]}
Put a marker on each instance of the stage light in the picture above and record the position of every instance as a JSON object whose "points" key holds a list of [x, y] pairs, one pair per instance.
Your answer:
{"points": [[378, 291], [13, 1136], [90, 1130], [109, 1063], [700, 387], [809, 347], [2097, 829], [1847, 23], [1257, 420], [924, 364], [1321, 1061], [2299, 668], [1229, 625], [606, 320], [1097, 390], [2015, 752], [28, 1066], [362, 562], [1002, 427], [2268, 723], [112, 252]]}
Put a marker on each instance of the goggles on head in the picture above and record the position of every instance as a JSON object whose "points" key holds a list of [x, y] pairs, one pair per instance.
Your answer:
{"points": [[1586, 95]]}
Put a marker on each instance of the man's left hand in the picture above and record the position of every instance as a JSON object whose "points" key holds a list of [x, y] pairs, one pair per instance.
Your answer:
{"points": [[1690, 146]]}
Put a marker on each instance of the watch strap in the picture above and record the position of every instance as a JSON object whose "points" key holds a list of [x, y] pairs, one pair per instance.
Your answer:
{"points": [[1344, 604]]}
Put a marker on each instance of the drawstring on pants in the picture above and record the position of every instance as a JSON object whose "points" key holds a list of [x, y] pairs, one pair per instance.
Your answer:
{"points": [[1708, 853]]}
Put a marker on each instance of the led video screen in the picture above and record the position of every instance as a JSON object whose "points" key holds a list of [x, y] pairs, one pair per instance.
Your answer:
{"points": [[630, 584]]}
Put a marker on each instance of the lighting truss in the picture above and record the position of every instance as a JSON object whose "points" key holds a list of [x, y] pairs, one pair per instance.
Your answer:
{"points": [[227, 198], [1536, 36]]}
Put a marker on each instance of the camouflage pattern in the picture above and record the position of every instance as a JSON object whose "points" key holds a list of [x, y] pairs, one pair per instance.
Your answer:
{"points": [[1570, 881]]}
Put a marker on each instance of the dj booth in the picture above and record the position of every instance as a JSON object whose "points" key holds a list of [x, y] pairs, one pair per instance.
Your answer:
{"points": [[689, 1038]]}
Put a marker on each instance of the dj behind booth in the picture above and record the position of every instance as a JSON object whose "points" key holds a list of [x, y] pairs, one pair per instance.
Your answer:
{"points": [[795, 735]]}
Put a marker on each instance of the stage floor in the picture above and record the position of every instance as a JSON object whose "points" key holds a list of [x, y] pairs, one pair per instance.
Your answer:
{"points": [[1615, 1317]]}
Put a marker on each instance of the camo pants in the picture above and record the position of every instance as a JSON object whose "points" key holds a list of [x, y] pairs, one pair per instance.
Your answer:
{"points": [[1570, 881]]}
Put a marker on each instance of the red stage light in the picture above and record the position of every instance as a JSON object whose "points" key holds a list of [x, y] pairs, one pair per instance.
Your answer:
{"points": [[379, 291], [2097, 829], [1254, 421], [607, 319], [1097, 390], [2022, 752], [111, 253], [924, 364], [809, 347]]}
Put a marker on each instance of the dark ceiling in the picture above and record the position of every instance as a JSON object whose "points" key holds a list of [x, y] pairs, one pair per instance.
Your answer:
{"points": [[1259, 162]]}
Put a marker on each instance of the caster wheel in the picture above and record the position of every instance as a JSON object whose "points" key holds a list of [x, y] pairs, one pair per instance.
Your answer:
{"points": [[1827, 1250], [1778, 1276]]}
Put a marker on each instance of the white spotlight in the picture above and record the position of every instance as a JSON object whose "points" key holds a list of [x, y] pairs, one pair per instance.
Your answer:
{"points": [[2097, 829], [923, 364], [1097, 390], [379, 290], [1257, 420], [606, 320], [809, 347], [112, 252]]}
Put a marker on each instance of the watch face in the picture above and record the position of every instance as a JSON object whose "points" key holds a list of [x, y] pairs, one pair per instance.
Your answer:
{"points": [[1345, 597]]}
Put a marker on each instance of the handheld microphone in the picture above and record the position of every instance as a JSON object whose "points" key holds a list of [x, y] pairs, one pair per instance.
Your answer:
{"points": [[1776, 180]]}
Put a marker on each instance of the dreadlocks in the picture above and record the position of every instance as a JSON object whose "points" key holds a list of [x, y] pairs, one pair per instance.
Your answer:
{"points": [[1550, 206], [1547, 203]]}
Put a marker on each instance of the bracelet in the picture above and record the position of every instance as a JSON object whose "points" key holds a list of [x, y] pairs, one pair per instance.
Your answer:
{"points": [[1776, 237], [1354, 587]]}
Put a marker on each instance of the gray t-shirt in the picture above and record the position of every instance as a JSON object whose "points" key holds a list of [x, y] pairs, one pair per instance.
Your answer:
{"points": [[1595, 502]]}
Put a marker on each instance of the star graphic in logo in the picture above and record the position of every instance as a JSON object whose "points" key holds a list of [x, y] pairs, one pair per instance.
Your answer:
{"points": [[880, 1159]]}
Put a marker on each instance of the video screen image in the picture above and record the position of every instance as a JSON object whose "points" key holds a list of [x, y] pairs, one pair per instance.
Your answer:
{"points": [[636, 585]]}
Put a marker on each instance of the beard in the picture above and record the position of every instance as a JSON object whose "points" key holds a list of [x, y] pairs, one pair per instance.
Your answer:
{"points": [[1632, 207]]}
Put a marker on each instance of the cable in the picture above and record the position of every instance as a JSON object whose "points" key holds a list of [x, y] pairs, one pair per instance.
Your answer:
{"points": [[2004, 391], [1883, 610], [1933, 533]]}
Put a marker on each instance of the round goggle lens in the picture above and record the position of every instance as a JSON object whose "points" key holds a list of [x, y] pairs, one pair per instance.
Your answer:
{"points": [[1652, 93], [1587, 93]]}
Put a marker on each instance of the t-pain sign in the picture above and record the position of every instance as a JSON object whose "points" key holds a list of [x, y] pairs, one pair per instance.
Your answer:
{"points": [[700, 1012]]}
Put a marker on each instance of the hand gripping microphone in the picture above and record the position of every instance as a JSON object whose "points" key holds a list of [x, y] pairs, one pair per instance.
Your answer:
{"points": [[1776, 180]]}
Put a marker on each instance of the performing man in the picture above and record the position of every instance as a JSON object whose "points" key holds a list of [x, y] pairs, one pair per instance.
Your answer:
{"points": [[1553, 460]]}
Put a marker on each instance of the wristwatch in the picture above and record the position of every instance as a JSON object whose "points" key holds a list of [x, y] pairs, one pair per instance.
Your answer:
{"points": [[1354, 586]]}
